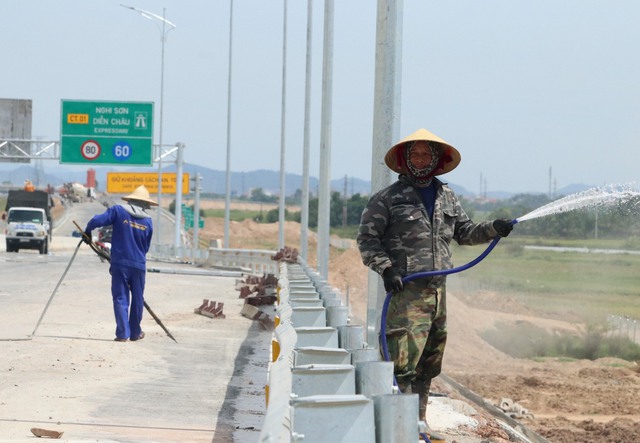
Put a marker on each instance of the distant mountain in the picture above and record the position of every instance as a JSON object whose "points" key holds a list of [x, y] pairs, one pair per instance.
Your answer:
{"points": [[213, 181], [243, 182]]}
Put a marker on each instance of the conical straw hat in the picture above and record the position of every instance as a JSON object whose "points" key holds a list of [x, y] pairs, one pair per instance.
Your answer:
{"points": [[395, 156], [141, 194]]}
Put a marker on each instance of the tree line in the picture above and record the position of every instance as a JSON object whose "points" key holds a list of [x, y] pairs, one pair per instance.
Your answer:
{"points": [[619, 220]]}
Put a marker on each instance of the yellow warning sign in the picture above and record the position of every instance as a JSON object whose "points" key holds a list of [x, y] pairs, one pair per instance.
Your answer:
{"points": [[78, 119], [126, 182]]}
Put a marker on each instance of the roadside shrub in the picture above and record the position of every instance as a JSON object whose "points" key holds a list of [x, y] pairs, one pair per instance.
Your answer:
{"points": [[514, 249], [524, 340], [632, 242]]}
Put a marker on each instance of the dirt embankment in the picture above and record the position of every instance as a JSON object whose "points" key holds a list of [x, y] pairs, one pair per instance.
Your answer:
{"points": [[570, 401]]}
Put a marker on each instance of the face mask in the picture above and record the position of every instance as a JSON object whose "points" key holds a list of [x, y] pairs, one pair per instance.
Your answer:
{"points": [[423, 176]]}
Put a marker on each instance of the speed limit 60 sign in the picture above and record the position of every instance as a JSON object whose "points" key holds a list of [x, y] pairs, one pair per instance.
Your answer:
{"points": [[117, 133]]}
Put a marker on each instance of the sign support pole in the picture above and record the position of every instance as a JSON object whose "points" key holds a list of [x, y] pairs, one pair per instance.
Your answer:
{"points": [[177, 209]]}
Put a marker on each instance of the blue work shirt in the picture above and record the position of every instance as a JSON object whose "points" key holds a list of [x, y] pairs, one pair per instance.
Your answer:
{"points": [[132, 232], [428, 197]]}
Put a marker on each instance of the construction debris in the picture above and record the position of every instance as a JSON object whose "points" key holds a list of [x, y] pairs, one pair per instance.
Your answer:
{"points": [[286, 254], [258, 290], [513, 409], [260, 300], [210, 308], [39, 432], [266, 322], [251, 312]]}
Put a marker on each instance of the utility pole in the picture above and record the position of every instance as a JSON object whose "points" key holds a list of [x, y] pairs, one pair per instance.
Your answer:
{"points": [[283, 172], [386, 124], [324, 191], [344, 203], [304, 209], [178, 207], [196, 212], [227, 199], [163, 34]]}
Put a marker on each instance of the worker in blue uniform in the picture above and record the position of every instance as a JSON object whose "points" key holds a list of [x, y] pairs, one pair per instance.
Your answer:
{"points": [[131, 238]]}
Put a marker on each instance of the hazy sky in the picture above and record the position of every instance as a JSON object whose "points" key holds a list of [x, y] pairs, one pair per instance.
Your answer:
{"points": [[518, 87]]}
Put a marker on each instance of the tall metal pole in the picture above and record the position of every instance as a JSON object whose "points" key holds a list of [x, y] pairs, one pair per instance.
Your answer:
{"points": [[227, 200], [282, 132], [386, 123], [196, 213], [178, 208], [159, 215], [304, 210], [324, 192], [164, 31]]}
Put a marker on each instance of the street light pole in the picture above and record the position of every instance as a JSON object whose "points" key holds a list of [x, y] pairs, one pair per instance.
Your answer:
{"points": [[164, 31], [283, 172], [227, 198]]}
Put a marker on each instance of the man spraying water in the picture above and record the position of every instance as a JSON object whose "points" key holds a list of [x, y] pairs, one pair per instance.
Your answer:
{"points": [[406, 229]]}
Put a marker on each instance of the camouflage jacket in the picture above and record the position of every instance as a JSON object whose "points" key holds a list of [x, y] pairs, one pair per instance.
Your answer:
{"points": [[395, 230]]}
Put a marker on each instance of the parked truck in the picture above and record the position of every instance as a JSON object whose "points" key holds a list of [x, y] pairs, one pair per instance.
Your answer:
{"points": [[28, 220]]}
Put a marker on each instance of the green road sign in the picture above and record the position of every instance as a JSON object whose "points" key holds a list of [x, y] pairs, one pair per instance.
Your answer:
{"points": [[187, 211], [115, 133], [189, 223], [200, 224]]}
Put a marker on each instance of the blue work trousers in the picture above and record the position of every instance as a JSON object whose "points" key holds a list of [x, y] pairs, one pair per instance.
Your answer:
{"points": [[127, 290]]}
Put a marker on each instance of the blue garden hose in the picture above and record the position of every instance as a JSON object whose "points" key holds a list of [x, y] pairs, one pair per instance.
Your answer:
{"points": [[417, 275]]}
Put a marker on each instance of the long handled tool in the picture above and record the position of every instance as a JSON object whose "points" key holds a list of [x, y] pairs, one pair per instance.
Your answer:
{"points": [[56, 289], [155, 317], [105, 255]]}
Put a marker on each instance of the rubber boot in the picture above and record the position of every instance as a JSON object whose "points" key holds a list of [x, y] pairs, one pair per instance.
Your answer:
{"points": [[404, 386], [422, 387], [434, 436]]}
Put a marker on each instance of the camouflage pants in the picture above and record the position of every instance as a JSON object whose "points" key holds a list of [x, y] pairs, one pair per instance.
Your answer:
{"points": [[416, 333]]}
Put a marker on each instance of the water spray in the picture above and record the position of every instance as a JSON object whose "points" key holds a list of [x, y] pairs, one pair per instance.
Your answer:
{"points": [[593, 198]]}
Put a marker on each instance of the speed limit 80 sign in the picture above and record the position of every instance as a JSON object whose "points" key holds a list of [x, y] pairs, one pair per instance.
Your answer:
{"points": [[90, 150], [106, 132]]}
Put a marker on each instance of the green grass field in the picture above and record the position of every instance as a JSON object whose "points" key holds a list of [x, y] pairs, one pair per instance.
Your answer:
{"points": [[234, 214], [589, 284]]}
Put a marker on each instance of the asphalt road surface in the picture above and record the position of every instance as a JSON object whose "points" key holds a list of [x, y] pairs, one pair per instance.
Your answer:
{"points": [[70, 376]]}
